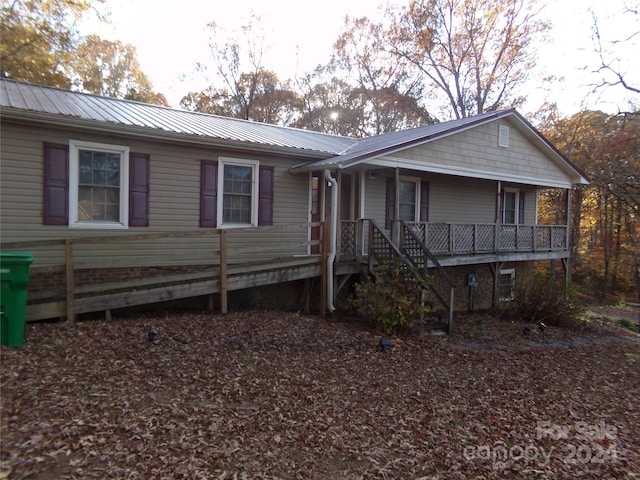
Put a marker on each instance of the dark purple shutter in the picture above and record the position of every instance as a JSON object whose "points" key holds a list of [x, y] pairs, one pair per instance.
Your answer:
{"points": [[501, 207], [424, 201], [56, 185], [265, 196], [208, 193], [138, 190], [389, 203], [521, 208]]}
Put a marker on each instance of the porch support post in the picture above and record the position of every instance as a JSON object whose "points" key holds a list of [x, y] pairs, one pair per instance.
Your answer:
{"points": [[495, 269], [395, 225], [69, 279], [223, 272], [498, 218], [568, 263]]}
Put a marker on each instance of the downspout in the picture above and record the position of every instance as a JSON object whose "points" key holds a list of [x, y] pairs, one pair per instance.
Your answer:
{"points": [[333, 241]]}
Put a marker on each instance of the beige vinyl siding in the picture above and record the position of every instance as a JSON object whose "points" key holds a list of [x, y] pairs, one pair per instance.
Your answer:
{"points": [[451, 200], [174, 206], [375, 197], [462, 200]]}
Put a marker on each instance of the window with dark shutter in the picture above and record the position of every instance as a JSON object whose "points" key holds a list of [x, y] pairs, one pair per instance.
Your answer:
{"points": [[424, 201], [265, 196], [56, 185], [521, 209], [138, 190], [389, 210], [208, 193], [56, 188]]}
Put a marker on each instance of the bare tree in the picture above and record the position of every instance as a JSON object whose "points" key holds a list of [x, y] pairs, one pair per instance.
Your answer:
{"points": [[383, 79], [474, 53], [611, 68]]}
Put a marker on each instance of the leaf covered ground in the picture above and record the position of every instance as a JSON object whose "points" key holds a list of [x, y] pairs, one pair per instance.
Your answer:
{"points": [[268, 395]]}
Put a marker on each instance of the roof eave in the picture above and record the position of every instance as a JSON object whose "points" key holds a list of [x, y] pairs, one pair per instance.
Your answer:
{"points": [[95, 126]]}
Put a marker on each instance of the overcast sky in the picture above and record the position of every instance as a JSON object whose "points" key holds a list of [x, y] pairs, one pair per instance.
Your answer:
{"points": [[171, 36]]}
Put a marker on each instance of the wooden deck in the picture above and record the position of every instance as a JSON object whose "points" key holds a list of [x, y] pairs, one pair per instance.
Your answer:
{"points": [[80, 283]]}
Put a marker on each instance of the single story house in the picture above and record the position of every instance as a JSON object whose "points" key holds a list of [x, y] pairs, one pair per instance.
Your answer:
{"points": [[123, 203]]}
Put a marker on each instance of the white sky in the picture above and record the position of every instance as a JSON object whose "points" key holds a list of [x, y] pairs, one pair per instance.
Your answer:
{"points": [[171, 36]]}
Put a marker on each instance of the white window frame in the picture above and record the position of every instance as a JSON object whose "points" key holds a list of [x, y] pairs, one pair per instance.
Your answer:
{"points": [[254, 164], [417, 182], [517, 206], [512, 273], [74, 176]]}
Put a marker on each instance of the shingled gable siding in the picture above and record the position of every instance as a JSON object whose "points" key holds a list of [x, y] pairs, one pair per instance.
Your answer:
{"points": [[56, 187], [209, 199]]}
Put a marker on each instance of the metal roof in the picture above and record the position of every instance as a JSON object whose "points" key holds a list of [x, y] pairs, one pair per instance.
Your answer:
{"points": [[38, 99], [52, 105]]}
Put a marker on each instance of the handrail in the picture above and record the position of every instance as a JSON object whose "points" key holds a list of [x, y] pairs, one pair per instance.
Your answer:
{"points": [[426, 256], [393, 252]]}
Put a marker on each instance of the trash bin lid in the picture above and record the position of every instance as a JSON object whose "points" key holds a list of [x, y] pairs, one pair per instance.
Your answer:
{"points": [[15, 258]]}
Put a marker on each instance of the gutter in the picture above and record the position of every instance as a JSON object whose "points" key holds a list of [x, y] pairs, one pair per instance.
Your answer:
{"points": [[333, 241]]}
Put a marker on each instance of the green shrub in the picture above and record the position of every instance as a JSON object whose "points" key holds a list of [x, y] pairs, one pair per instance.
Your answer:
{"points": [[628, 324], [540, 298], [390, 298]]}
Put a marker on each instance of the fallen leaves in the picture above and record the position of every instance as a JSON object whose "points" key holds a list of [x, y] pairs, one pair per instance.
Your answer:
{"points": [[266, 395]]}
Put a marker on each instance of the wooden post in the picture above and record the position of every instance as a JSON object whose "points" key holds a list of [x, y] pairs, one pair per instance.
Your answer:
{"points": [[395, 224], [223, 271], [568, 238], [69, 279], [306, 296], [324, 240]]}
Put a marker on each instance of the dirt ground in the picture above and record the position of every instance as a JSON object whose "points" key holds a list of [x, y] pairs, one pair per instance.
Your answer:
{"points": [[269, 395]]}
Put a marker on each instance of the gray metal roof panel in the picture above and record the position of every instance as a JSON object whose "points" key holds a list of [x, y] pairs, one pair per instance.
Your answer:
{"points": [[49, 100]]}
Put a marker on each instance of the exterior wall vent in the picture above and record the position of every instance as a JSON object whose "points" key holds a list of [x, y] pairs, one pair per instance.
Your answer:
{"points": [[503, 136]]}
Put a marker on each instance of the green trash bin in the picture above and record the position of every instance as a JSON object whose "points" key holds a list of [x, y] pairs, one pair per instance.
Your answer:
{"points": [[14, 277]]}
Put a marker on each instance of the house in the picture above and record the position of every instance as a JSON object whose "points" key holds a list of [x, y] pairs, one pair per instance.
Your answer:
{"points": [[123, 203]]}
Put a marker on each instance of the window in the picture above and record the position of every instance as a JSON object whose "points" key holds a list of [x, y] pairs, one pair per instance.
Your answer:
{"points": [[99, 185], [414, 201], [510, 207], [505, 284], [235, 193], [408, 200], [237, 182]]}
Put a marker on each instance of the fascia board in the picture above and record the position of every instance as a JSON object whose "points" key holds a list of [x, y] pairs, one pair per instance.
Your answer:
{"points": [[427, 167]]}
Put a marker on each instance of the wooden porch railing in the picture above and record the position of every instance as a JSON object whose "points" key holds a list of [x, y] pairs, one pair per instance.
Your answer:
{"points": [[449, 239]]}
